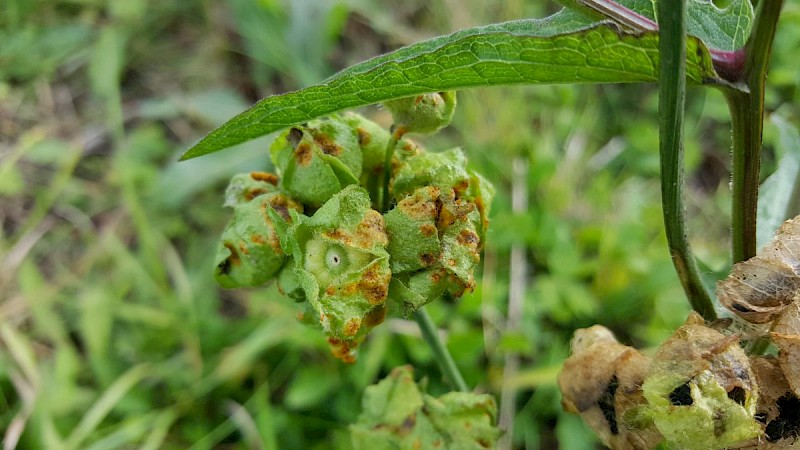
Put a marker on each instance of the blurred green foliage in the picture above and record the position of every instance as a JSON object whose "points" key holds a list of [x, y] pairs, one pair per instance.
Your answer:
{"points": [[113, 333]]}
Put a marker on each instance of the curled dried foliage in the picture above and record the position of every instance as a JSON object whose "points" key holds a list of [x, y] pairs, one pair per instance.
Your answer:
{"points": [[778, 407], [759, 289], [701, 390], [786, 336], [602, 382]]}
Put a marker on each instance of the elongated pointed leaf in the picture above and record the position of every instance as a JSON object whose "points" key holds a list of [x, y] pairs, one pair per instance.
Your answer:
{"points": [[564, 48]]}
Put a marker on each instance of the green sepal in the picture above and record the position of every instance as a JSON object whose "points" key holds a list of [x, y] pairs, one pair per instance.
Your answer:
{"points": [[446, 170], [249, 253], [288, 283], [373, 140], [341, 264], [413, 236], [481, 192], [396, 414], [317, 160]]}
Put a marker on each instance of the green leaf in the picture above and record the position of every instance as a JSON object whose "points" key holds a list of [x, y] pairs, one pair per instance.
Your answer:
{"points": [[723, 29], [397, 415], [564, 48]]}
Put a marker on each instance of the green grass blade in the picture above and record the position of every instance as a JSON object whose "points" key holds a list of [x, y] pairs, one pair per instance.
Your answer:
{"points": [[563, 48], [100, 409]]}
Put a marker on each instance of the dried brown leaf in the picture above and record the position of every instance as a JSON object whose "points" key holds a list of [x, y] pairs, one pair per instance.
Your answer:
{"points": [[602, 382], [759, 289]]}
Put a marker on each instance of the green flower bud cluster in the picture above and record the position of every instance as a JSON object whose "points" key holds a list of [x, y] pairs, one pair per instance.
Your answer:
{"points": [[318, 228]]}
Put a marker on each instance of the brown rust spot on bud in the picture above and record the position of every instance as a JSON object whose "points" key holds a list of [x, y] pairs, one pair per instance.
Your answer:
{"points": [[375, 316], [330, 291], [371, 231], [253, 193], [421, 206], [257, 239], [343, 349], [327, 144], [233, 259], [352, 326], [468, 237], [364, 138], [427, 229], [427, 259], [374, 284], [266, 177], [243, 248], [304, 153]]}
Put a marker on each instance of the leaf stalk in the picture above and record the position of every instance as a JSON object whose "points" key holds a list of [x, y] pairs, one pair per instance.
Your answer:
{"points": [[672, 97]]}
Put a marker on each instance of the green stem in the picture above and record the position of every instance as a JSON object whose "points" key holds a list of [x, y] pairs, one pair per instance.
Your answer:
{"points": [[443, 357], [672, 96], [747, 119]]}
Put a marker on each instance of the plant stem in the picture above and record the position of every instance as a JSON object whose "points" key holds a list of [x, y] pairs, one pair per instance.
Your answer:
{"points": [[672, 96], [446, 364], [747, 119]]}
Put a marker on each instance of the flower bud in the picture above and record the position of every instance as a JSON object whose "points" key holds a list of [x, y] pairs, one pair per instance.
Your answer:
{"points": [[342, 266], [701, 390], [244, 187], [602, 382], [317, 160], [433, 245], [445, 170], [250, 252], [427, 113]]}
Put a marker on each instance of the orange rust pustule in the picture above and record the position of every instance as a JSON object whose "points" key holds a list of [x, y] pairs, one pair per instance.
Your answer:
{"points": [[427, 229], [243, 248], [304, 153], [374, 285], [419, 208], [328, 145], [266, 177], [352, 327], [343, 349], [371, 231], [258, 239]]}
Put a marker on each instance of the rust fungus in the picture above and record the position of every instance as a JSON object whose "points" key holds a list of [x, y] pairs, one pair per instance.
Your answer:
{"points": [[352, 327], [427, 229], [327, 144], [375, 316], [303, 154], [266, 177], [364, 138]]}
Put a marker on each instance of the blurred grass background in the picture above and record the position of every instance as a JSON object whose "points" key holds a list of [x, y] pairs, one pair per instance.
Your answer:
{"points": [[113, 333]]}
